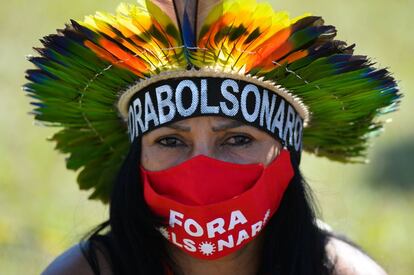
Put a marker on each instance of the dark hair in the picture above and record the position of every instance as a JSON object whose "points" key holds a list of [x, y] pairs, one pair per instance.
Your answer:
{"points": [[294, 243]]}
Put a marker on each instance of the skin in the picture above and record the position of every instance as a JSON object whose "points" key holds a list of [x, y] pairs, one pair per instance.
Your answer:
{"points": [[226, 140]]}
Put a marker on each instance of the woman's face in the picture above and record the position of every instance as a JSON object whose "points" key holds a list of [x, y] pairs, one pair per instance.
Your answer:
{"points": [[216, 137]]}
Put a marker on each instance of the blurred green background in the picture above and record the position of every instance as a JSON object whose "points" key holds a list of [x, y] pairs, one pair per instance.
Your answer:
{"points": [[42, 212]]}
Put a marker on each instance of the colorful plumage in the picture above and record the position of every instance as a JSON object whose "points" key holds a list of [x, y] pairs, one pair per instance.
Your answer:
{"points": [[83, 68]]}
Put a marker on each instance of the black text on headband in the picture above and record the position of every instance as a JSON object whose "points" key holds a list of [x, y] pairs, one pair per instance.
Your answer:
{"points": [[179, 98]]}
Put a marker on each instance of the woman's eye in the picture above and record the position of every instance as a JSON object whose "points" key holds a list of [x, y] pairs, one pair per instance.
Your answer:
{"points": [[238, 140], [170, 142]]}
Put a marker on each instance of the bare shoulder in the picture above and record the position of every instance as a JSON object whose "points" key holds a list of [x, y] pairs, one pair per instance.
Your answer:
{"points": [[349, 260], [72, 261]]}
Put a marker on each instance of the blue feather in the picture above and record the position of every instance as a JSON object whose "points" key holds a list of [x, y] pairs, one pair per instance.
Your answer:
{"points": [[188, 31]]}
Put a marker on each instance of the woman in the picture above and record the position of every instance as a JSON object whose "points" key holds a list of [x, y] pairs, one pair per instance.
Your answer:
{"points": [[216, 97]]}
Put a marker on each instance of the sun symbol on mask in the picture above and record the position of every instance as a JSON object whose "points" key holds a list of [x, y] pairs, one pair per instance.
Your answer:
{"points": [[207, 248], [266, 216], [163, 230]]}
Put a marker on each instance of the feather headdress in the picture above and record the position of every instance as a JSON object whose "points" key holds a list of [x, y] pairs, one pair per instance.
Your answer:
{"points": [[85, 68]]}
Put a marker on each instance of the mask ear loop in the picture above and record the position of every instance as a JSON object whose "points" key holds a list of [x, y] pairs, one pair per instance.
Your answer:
{"points": [[295, 157], [295, 161]]}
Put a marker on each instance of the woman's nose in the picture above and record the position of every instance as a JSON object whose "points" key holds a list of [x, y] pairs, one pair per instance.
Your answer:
{"points": [[203, 147]]}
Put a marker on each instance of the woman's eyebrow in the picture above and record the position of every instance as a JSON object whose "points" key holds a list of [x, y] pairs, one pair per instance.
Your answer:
{"points": [[179, 127], [228, 125], [218, 128]]}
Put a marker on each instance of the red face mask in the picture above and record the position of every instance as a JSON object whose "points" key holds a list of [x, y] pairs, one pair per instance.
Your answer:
{"points": [[213, 208]]}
